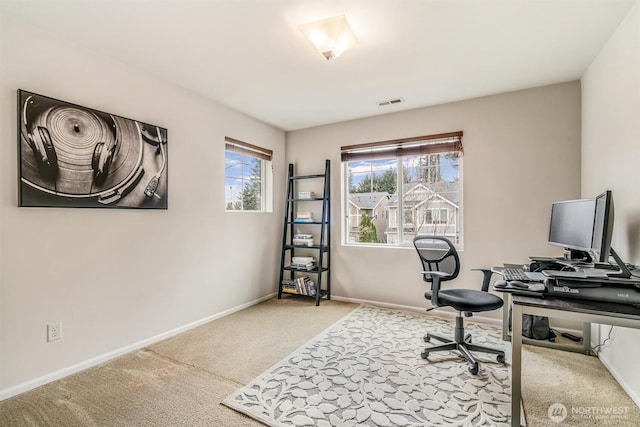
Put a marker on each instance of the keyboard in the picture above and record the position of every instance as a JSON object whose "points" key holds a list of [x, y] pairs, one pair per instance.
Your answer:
{"points": [[514, 273]]}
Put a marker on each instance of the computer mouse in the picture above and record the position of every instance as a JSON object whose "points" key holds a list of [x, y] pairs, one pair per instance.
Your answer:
{"points": [[518, 284], [500, 284]]}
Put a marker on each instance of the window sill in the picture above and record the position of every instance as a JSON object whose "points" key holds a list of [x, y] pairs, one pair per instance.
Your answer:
{"points": [[385, 246]]}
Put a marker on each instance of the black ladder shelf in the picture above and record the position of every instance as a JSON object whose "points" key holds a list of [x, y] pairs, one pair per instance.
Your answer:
{"points": [[321, 250]]}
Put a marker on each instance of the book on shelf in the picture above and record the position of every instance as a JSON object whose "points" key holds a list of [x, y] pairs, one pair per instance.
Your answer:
{"points": [[302, 236], [303, 239], [303, 217], [308, 287], [289, 286], [303, 242], [306, 195], [303, 259], [300, 266], [303, 262], [302, 285]]}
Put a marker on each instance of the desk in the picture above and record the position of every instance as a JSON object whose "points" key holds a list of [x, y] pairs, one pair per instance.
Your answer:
{"points": [[506, 296], [585, 348], [585, 311]]}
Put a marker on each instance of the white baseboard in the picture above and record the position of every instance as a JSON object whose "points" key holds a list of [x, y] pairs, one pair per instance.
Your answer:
{"points": [[438, 312], [64, 372], [615, 374]]}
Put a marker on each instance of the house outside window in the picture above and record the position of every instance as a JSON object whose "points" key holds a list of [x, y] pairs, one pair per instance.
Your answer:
{"points": [[373, 206], [436, 216], [245, 178], [421, 180]]}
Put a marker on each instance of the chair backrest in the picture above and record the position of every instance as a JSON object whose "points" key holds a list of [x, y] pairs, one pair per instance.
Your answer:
{"points": [[437, 253]]}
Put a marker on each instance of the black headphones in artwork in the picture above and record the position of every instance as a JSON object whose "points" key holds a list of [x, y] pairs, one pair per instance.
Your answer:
{"points": [[41, 143], [156, 137]]}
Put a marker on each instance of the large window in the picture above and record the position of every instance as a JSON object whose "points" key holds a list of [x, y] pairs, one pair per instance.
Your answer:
{"points": [[245, 180], [396, 190]]}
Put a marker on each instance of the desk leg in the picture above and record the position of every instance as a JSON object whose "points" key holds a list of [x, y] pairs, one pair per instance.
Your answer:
{"points": [[586, 338], [506, 296], [516, 365]]}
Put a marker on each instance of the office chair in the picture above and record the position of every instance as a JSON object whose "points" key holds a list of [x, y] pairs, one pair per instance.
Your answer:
{"points": [[440, 263]]}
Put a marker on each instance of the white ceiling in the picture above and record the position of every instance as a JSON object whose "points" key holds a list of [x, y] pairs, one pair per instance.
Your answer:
{"points": [[250, 55]]}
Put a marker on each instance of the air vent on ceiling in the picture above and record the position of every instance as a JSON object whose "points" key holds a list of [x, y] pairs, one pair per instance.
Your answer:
{"points": [[390, 102]]}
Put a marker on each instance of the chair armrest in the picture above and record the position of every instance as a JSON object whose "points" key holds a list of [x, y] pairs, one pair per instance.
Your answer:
{"points": [[435, 273], [436, 276], [487, 273]]}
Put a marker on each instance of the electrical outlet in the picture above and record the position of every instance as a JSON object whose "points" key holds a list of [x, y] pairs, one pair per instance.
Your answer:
{"points": [[54, 331]]}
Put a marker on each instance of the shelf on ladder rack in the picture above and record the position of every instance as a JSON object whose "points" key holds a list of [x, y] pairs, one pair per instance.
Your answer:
{"points": [[293, 276]]}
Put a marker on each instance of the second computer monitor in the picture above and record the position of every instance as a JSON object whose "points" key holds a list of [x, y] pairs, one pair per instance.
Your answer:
{"points": [[603, 227], [583, 226]]}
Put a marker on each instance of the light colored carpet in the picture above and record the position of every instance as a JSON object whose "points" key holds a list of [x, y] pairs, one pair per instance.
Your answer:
{"points": [[181, 381], [139, 389], [580, 383], [367, 371]]}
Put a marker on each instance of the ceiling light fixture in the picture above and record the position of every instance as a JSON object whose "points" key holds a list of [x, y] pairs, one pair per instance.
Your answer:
{"points": [[331, 36]]}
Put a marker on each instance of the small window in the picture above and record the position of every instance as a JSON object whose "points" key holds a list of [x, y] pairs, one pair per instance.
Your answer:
{"points": [[436, 216], [245, 177]]}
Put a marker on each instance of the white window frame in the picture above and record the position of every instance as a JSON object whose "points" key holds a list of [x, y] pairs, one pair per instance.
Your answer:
{"points": [[264, 156], [400, 191]]}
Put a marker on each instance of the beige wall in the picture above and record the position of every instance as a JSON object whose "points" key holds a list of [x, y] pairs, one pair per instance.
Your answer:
{"points": [[610, 161], [119, 278], [521, 152], [115, 278]]}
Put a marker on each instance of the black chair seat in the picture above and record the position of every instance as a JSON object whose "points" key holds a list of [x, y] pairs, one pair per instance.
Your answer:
{"points": [[467, 300]]}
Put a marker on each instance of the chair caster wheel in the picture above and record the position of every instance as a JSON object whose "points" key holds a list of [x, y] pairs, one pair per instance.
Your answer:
{"points": [[500, 358], [474, 369], [424, 354], [427, 338]]}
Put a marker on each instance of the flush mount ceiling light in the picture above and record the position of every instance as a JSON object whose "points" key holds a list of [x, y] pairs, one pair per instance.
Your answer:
{"points": [[330, 36]]}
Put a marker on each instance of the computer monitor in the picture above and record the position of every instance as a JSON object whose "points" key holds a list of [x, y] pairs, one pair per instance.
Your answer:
{"points": [[584, 228], [571, 227], [603, 227]]}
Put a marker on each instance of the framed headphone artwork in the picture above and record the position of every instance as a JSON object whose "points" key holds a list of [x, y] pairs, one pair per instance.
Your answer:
{"points": [[73, 156]]}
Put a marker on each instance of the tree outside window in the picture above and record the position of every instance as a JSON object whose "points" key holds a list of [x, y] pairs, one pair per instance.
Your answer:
{"points": [[243, 181], [244, 176], [367, 230]]}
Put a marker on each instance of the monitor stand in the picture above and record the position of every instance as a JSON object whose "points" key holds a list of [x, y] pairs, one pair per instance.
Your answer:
{"points": [[574, 256], [624, 271]]}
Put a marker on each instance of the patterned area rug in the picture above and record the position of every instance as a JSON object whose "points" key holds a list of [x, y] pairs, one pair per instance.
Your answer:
{"points": [[366, 370]]}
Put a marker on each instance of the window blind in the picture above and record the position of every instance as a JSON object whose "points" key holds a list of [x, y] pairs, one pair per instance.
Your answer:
{"points": [[419, 145], [237, 146]]}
